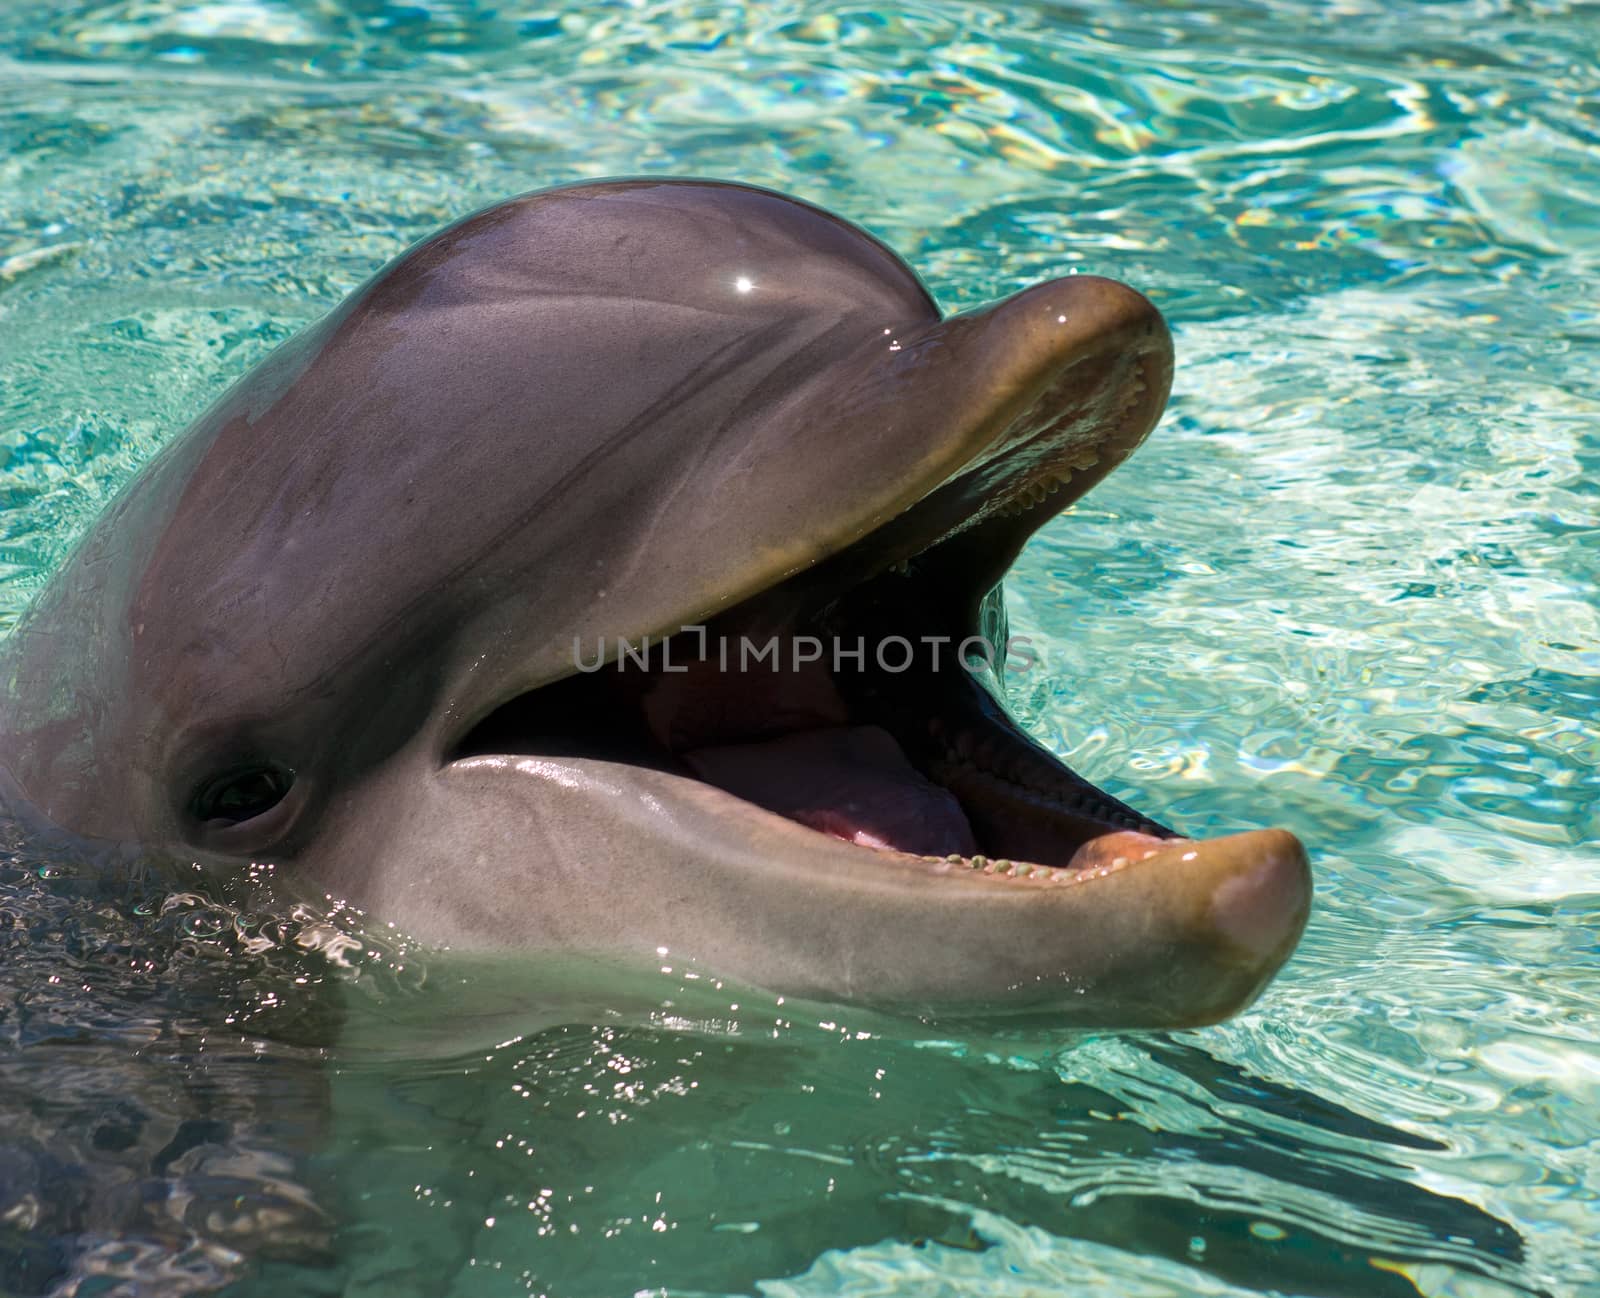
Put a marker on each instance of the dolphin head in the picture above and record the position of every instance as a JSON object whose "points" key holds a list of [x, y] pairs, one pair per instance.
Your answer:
{"points": [[555, 592]]}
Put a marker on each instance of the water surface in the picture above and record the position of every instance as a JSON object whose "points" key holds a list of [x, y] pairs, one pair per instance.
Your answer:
{"points": [[1349, 587]]}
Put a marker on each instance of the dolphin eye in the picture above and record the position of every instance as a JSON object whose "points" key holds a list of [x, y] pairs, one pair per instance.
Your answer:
{"points": [[242, 793]]}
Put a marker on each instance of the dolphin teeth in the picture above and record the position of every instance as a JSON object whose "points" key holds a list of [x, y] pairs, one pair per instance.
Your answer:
{"points": [[1018, 777]]}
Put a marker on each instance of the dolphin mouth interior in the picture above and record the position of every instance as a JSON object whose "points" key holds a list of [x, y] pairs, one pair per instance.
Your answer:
{"points": [[840, 698]]}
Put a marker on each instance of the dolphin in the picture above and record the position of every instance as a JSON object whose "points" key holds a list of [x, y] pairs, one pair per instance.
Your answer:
{"points": [[432, 611]]}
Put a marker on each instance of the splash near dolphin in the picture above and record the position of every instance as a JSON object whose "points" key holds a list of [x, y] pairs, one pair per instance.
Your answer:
{"points": [[348, 622]]}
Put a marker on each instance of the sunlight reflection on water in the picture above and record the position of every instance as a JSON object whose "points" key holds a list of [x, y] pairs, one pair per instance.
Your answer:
{"points": [[1349, 587]]}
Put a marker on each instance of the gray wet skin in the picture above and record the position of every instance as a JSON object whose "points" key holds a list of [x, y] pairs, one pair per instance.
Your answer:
{"points": [[333, 624]]}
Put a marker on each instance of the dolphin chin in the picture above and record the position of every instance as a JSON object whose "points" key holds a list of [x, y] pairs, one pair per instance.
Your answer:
{"points": [[601, 578]]}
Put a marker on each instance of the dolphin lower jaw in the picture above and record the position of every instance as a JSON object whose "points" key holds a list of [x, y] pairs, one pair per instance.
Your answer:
{"points": [[739, 893]]}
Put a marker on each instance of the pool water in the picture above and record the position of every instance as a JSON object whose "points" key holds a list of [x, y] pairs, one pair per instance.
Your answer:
{"points": [[1349, 587]]}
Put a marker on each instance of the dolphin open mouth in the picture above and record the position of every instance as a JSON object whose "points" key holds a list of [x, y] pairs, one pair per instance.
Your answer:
{"points": [[848, 697]]}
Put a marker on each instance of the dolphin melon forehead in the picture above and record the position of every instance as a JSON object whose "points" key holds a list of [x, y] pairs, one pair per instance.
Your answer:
{"points": [[597, 410]]}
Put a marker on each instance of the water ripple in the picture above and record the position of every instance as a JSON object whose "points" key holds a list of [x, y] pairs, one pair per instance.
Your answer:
{"points": [[1350, 587]]}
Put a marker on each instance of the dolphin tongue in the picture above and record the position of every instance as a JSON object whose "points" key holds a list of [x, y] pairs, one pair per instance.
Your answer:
{"points": [[778, 733], [852, 782]]}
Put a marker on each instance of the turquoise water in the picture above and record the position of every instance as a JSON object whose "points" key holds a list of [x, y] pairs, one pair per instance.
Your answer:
{"points": [[1349, 587]]}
